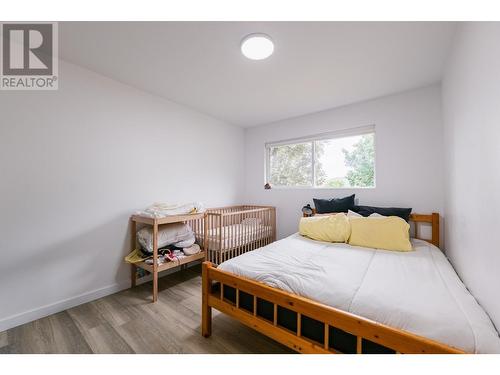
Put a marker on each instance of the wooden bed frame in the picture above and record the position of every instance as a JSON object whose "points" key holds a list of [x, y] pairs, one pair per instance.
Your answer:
{"points": [[369, 336]]}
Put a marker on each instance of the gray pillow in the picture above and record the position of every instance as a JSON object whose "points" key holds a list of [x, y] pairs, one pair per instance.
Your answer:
{"points": [[403, 213], [325, 206]]}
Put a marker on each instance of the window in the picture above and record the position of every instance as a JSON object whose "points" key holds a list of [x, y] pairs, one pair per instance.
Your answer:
{"points": [[335, 160]]}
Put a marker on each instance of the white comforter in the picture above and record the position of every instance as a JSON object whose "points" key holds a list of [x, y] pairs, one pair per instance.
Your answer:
{"points": [[416, 291]]}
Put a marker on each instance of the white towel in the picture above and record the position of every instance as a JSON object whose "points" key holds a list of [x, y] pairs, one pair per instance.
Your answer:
{"points": [[159, 210]]}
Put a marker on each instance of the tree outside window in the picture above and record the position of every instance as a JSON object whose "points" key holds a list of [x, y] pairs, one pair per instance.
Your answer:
{"points": [[337, 162]]}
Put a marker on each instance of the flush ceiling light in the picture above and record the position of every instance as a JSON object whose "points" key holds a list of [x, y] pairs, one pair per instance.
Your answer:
{"points": [[257, 46]]}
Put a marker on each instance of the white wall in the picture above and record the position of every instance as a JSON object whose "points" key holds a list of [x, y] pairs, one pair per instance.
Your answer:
{"points": [[408, 155], [75, 163], [471, 114]]}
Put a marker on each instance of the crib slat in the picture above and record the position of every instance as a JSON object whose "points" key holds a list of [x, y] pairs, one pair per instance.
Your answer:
{"points": [[220, 238], [240, 243], [245, 238], [258, 235], [231, 242], [225, 237]]}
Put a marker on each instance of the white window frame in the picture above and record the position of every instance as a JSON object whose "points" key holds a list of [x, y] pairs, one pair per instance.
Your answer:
{"points": [[370, 129]]}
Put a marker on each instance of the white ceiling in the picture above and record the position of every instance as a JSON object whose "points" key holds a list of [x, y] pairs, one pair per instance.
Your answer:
{"points": [[315, 65]]}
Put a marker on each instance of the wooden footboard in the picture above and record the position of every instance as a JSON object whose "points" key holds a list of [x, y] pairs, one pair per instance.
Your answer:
{"points": [[301, 324]]}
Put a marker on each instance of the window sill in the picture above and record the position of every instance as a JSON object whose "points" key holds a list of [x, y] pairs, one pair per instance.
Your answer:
{"points": [[320, 188]]}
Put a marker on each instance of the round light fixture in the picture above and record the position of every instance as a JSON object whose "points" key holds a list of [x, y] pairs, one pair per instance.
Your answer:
{"points": [[257, 46]]}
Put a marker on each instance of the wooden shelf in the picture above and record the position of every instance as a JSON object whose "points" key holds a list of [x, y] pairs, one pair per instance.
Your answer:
{"points": [[196, 219], [172, 264]]}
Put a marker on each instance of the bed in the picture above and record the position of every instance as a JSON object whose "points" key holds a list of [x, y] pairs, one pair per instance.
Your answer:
{"points": [[318, 297]]}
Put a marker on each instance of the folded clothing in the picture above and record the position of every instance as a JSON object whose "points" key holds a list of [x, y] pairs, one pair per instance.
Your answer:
{"points": [[185, 243], [135, 256], [160, 260], [171, 253], [195, 249], [177, 234], [159, 210]]}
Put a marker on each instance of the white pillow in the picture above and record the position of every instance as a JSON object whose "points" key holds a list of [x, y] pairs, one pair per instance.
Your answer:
{"points": [[254, 221], [353, 214], [376, 216]]}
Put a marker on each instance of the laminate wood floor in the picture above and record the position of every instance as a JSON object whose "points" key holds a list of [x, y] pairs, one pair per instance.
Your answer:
{"points": [[127, 322]]}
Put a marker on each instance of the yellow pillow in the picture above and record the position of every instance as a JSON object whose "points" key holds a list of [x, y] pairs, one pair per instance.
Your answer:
{"points": [[332, 228], [389, 233]]}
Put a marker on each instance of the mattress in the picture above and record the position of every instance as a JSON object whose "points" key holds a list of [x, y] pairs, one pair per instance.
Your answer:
{"points": [[236, 235], [416, 291]]}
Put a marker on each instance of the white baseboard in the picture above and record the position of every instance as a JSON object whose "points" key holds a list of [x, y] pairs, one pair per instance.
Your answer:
{"points": [[53, 308], [43, 311]]}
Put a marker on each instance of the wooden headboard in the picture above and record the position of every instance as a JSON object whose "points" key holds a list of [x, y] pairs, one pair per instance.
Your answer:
{"points": [[433, 220], [417, 219]]}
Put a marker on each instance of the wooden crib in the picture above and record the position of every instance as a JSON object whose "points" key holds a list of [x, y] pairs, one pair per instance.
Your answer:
{"points": [[234, 230]]}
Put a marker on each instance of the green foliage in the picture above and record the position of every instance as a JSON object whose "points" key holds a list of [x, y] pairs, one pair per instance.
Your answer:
{"points": [[335, 183], [291, 165], [361, 161], [320, 174]]}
